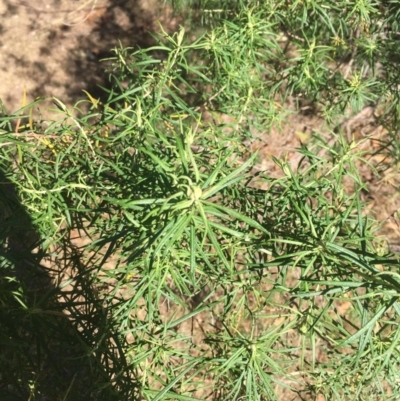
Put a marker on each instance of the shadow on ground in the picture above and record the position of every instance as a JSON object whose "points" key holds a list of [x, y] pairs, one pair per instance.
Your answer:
{"points": [[56, 341]]}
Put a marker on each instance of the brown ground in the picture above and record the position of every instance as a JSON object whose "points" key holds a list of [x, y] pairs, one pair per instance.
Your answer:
{"points": [[53, 47]]}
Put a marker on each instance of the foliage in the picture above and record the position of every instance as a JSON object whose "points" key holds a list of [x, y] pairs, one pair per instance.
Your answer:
{"points": [[160, 178]]}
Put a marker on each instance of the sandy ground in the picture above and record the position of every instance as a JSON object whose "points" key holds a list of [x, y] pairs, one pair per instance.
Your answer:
{"points": [[53, 47]]}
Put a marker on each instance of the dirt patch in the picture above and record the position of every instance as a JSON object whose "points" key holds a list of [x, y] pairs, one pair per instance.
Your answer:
{"points": [[53, 47]]}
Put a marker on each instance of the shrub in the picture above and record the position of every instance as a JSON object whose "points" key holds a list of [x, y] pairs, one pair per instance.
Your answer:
{"points": [[224, 283]]}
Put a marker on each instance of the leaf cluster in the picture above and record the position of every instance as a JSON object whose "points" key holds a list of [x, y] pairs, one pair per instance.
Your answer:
{"points": [[160, 179]]}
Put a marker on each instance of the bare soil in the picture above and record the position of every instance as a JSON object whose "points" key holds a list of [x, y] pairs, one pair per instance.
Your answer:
{"points": [[53, 47]]}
